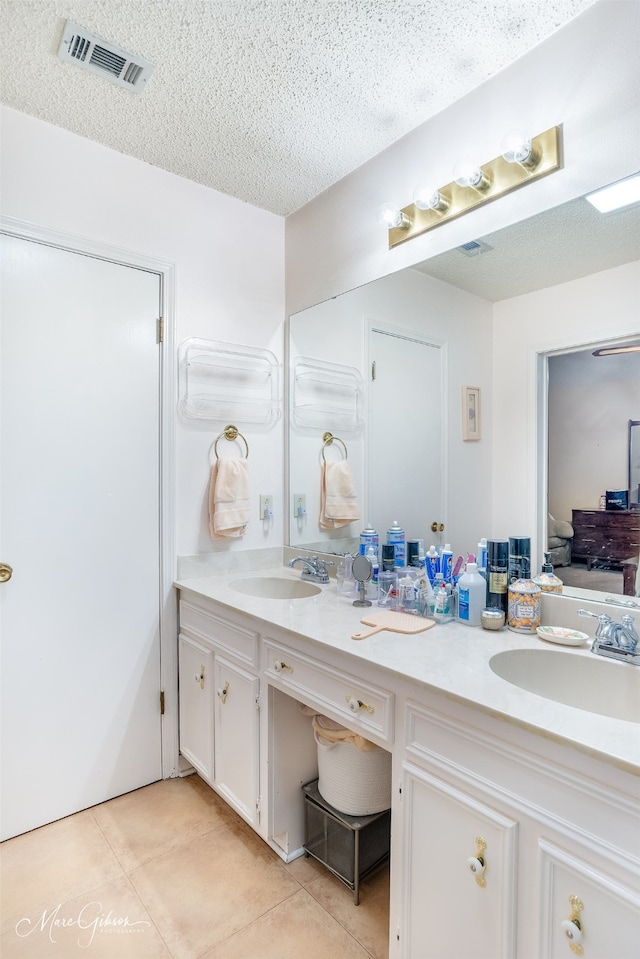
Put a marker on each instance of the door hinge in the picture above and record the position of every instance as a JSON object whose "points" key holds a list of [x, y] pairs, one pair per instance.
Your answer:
{"points": [[162, 702], [258, 701], [160, 329], [258, 804], [373, 370]]}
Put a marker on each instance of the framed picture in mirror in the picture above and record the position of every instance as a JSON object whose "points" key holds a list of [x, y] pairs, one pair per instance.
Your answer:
{"points": [[470, 412]]}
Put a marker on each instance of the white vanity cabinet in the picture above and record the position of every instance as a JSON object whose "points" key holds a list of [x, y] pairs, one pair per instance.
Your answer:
{"points": [[219, 689], [458, 872], [506, 855], [195, 672], [236, 734]]}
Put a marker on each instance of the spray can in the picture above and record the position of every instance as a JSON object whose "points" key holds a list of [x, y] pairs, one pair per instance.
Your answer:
{"points": [[519, 558], [396, 538], [388, 557], [497, 570], [369, 537], [413, 552]]}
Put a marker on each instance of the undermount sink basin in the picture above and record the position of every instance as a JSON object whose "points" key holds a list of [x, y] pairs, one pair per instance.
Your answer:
{"points": [[585, 682], [275, 587]]}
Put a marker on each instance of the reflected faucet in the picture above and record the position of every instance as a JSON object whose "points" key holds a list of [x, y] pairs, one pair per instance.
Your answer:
{"points": [[615, 640], [314, 569]]}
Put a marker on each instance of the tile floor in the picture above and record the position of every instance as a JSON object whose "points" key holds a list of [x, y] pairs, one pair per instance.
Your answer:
{"points": [[171, 872]]}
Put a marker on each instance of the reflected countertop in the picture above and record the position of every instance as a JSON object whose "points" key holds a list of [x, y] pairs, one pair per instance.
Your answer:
{"points": [[450, 658]]}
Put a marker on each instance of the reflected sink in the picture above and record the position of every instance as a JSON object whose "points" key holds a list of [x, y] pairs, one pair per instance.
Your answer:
{"points": [[275, 587], [585, 682]]}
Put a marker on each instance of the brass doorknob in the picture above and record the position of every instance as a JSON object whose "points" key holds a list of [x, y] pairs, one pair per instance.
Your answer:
{"points": [[437, 527], [5, 572]]}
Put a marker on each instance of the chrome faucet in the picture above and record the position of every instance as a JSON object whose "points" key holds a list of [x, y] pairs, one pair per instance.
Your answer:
{"points": [[615, 640], [313, 569]]}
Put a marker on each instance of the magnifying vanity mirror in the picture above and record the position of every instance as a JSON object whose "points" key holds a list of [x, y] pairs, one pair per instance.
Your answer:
{"points": [[433, 326]]}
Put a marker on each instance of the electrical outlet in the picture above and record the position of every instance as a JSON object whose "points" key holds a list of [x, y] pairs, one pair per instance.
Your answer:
{"points": [[299, 505], [266, 505]]}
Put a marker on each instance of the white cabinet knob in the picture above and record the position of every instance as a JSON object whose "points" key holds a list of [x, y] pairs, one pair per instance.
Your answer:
{"points": [[476, 865], [281, 667], [355, 705], [571, 931]]}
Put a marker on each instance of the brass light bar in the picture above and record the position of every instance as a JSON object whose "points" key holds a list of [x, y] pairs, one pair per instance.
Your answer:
{"points": [[503, 177]]}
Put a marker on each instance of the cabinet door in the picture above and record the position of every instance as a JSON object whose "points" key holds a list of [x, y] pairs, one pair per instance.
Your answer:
{"points": [[448, 913], [607, 909], [195, 672], [237, 737]]}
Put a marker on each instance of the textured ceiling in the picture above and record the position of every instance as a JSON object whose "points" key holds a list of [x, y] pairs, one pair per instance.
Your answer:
{"points": [[269, 101], [568, 242]]}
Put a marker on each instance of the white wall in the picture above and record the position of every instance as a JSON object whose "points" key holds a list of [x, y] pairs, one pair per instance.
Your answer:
{"points": [[462, 323], [585, 77], [229, 278], [591, 400], [599, 307]]}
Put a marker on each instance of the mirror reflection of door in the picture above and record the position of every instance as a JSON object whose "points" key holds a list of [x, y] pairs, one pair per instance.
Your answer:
{"points": [[404, 432], [590, 402]]}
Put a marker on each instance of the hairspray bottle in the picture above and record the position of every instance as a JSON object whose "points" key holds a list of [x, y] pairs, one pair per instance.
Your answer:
{"points": [[497, 571], [396, 538]]}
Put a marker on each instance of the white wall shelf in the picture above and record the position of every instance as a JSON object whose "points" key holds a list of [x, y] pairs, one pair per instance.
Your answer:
{"points": [[223, 382], [326, 396]]}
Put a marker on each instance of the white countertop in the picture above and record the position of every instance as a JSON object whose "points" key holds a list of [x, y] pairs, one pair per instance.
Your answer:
{"points": [[451, 658]]}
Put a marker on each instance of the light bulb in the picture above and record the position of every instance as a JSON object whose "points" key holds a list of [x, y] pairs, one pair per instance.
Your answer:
{"points": [[391, 217], [428, 198], [516, 148], [467, 173]]}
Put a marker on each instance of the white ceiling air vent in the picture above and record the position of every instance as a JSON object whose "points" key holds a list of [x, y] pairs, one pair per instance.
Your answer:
{"points": [[474, 247], [107, 59]]}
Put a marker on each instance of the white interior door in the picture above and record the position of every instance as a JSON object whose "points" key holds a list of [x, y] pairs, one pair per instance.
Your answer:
{"points": [[404, 432], [79, 524]]}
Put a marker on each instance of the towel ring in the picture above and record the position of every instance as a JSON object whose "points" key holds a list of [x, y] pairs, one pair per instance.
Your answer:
{"points": [[231, 433], [327, 440]]}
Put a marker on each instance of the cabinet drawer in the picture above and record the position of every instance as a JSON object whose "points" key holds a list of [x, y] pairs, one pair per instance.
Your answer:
{"points": [[226, 634], [360, 706]]}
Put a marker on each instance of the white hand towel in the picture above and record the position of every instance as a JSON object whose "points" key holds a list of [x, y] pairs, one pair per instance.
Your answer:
{"points": [[338, 501], [228, 498]]}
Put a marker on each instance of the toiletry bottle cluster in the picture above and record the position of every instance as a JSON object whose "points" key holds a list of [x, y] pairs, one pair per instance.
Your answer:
{"points": [[491, 587]]}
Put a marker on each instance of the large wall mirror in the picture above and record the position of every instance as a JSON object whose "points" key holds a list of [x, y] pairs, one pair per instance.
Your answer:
{"points": [[445, 307]]}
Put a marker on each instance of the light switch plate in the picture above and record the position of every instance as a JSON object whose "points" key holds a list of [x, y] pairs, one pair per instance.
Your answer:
{"points": [[299, 503]]}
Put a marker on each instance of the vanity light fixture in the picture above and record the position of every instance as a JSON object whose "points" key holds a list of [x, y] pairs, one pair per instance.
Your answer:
{"points": [[523, 160], [616, 195]]}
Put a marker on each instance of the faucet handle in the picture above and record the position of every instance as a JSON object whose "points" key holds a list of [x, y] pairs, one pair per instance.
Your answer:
{"points": [[602, 617]]}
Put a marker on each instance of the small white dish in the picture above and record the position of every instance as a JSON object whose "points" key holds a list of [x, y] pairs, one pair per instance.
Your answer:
{"points": [[562, 636]]}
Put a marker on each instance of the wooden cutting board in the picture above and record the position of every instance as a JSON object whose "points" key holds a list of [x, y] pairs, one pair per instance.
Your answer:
{"points": [[393, 621]]}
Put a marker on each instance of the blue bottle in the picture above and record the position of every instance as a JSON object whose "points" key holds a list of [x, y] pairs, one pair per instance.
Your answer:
{"points": [[369, 537], [396, 538]]}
